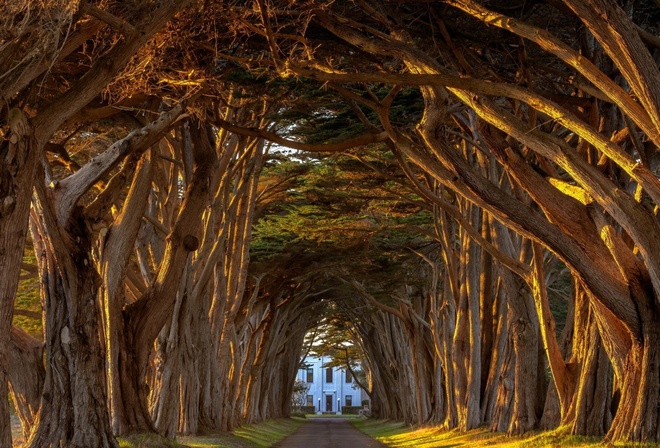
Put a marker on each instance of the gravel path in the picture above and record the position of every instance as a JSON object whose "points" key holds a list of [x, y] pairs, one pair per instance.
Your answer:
{"points": [[328, 433]]}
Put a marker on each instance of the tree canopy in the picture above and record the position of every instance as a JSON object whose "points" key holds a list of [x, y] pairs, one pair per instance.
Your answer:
{"points": [[469, 195]]}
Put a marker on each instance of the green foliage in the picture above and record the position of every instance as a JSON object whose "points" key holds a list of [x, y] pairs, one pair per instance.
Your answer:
{"points": [[352, 410], [334, 219], [326, 117], [334, 205]]}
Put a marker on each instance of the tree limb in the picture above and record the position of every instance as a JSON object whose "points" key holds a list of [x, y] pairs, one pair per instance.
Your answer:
{"points": [[361, 140]]}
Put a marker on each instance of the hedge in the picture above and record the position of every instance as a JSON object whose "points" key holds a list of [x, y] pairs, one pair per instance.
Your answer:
{"points": [[305, 409]]}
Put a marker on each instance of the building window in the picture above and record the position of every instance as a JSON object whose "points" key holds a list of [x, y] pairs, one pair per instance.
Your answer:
{"points": [[310, 375], [349, 376], [310, 400], [328, 375], [349, 400]]}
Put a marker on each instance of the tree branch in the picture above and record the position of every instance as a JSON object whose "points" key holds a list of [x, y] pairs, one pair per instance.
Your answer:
{"points": [[371, 299], [117, 23], [361, 140], [71, 189]]}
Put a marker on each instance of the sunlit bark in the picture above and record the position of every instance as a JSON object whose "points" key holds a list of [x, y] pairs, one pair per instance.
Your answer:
{"points": [[73, 408], [467, 338], [590, 411], [515, 165], [18, 162], [606, 267], [116, 247], [26, 376], [144, 318]]}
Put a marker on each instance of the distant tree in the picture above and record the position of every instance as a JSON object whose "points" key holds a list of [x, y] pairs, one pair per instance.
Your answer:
{"points": [[299, 396]]}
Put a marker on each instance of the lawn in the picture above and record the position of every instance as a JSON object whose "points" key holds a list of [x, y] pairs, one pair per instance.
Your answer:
{"points": [[264, 434], [398, 435]]}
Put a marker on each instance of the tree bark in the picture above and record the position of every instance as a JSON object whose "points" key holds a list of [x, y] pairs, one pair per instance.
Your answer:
{"points": [[467, 337], [524, 337], [18, 162], [73, 411], [144, 318], [116, 249], [637, 416], [590, 412], [26, 377]]}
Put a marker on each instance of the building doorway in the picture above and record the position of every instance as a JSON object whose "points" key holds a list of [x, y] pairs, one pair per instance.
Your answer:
{"points": [[328, 403]]}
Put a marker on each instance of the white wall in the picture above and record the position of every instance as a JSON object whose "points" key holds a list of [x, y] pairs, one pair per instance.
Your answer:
{"points": [[339, 389]]}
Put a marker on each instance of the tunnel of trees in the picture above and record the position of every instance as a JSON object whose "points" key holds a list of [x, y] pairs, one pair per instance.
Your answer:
{"points": [[466, 189]]}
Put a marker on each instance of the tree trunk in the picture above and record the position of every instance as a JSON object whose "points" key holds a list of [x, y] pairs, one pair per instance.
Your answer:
{"points": [[552, 412], [505, 384], [18, 162], [590, 407], [166, 393], [116, 248], [73, 410], [210, 414], [196, 333], [422, 360], [487, 290], [144, 318], [467, 339], [515, 411], [637, 417], [524, 335], [133, 414], [495, 396], [26, 376], [386, 402], [449, 315], [252, 378]]}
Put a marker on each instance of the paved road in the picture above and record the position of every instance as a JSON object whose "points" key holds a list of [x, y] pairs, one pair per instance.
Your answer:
{"points": [[328, 433]]}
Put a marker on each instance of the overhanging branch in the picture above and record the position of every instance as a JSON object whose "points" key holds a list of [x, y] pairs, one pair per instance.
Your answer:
{"points": [[355, 142]]}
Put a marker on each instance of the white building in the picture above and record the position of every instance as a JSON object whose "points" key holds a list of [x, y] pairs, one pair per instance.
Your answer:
{"points": [[330, 388]]}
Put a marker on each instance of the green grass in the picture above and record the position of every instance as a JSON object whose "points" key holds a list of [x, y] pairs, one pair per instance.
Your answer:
{"points": [[396, 434], [147, 441], [253, 436], [264, 434]]}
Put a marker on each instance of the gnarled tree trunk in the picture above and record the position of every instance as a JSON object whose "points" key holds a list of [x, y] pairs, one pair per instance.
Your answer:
{"points": [[18, 161], [73, 411]]}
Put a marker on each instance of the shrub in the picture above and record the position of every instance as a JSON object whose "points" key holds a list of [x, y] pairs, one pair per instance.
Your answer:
{"points": [[351, 409], [304, 409]]}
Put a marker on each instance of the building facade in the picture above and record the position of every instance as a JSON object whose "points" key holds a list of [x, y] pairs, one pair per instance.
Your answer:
{"points": [[330, 388]]}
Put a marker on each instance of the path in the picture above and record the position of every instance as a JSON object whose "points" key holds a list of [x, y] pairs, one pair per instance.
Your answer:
{"points": [[328, 433]]}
